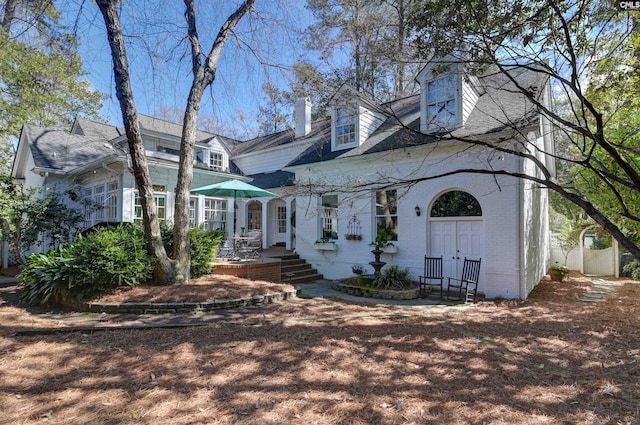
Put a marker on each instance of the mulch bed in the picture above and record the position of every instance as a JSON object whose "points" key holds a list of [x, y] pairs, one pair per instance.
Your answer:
{"points": [[548, 360]]}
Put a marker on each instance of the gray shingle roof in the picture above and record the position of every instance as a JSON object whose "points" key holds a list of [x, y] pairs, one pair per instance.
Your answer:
{"points": [[166, 127], [318, 128], [63, 151], [500, 106], [94, 129], [273, 180]]}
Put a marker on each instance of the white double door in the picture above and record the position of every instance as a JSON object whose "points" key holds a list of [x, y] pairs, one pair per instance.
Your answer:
{"points": [[455, 240]]}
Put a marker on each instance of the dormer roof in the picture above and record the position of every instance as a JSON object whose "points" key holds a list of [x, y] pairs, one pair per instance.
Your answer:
{"points": [[500, 107]]}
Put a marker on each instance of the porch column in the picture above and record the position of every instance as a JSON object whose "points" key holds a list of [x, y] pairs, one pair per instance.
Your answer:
{"points": [[288, 238], [265, 223]]}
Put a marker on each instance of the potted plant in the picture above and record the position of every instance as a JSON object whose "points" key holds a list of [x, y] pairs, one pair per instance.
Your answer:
{"points": [[558, 272], [325, 244], [382, 244]]}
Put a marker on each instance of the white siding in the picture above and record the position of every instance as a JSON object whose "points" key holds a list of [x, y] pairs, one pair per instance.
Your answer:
{"points": [[269, 161], [368, 122], [469, 99], [497, 199]]}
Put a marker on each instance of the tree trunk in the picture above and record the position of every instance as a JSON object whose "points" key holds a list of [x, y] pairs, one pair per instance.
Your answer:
{"points": [[164, 272], [9, 15]]}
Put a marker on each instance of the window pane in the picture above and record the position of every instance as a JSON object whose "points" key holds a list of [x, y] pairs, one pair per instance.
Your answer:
{"points": [[456, 204], [387, 214], [441, 101], [282, 219], [330, 216]]}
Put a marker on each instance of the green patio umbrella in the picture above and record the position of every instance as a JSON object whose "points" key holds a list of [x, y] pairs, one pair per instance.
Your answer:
{"points": [[233, 188]]}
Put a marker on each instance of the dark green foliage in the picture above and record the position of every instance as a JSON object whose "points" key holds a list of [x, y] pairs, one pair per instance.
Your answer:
{"points": [[46, 279], [112, 256], [632, 269], [204, 248], [392, 277], [100, 262]]}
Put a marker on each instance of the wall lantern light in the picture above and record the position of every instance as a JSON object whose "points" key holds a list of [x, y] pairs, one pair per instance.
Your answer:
{"points": [[418, 211]]}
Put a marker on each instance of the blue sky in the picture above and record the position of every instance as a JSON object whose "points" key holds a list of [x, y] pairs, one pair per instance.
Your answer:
{"points": [[266, 46]]}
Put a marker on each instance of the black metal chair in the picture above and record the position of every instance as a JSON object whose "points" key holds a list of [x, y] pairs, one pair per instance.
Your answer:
{"points": [[432, 275], [468, 282]]}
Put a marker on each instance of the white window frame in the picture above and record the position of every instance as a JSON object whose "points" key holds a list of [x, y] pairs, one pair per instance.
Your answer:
{"points": [[193, 211], [215, 214], [216, 160], [101, 202], [378, 214], [111, 203], [329, 219], [345, 126], [281, 218], [160, 198], [443, 99]]}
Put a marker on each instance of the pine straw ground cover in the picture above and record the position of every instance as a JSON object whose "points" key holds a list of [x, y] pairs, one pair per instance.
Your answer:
{"points": [[547, 360]]}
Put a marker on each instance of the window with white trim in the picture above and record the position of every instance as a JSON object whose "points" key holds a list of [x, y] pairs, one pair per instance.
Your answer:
{"points": [[441, 102], [100, 203], [216, 160], [193, 204], [281, 213], [329, 216], [98, 200], [387, 214], [88, 206], [111, 204], [345, 126], [159, 196], [215, 214]]}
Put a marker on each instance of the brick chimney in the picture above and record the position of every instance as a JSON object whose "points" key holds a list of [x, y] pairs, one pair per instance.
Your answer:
{"points": [[302, 117]]}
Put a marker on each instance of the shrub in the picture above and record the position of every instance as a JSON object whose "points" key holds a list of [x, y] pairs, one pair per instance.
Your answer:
{"points": [[46, 279], [204, 248], [392, 277], [101, 261], [632, 269], [112, 256]]}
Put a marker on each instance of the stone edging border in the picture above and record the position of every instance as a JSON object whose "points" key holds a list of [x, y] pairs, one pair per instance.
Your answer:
{"points": [[187, 307], [385, 294]]}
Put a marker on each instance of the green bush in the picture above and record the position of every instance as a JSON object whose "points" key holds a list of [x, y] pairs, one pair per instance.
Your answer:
{"points": [[47, 279], [632, 269], [392, 277], [204, 248], [112, 256], [103, 260]]}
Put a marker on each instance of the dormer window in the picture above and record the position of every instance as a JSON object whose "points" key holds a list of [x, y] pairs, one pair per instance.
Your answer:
{"points": [[441, 102], [345, 123], [216, 160]]}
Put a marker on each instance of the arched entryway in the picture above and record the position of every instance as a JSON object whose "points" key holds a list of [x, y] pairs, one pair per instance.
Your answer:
{"points": [[456, 230], [254, 216]]}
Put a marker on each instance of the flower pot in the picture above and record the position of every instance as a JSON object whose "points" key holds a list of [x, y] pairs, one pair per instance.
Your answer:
{"points": [[327, 246], [556, 275]]}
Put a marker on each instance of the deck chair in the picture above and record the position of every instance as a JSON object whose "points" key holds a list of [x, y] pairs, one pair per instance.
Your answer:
{"points": [[251, 249], [226, 250], [468, 282], [432, 275]]}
